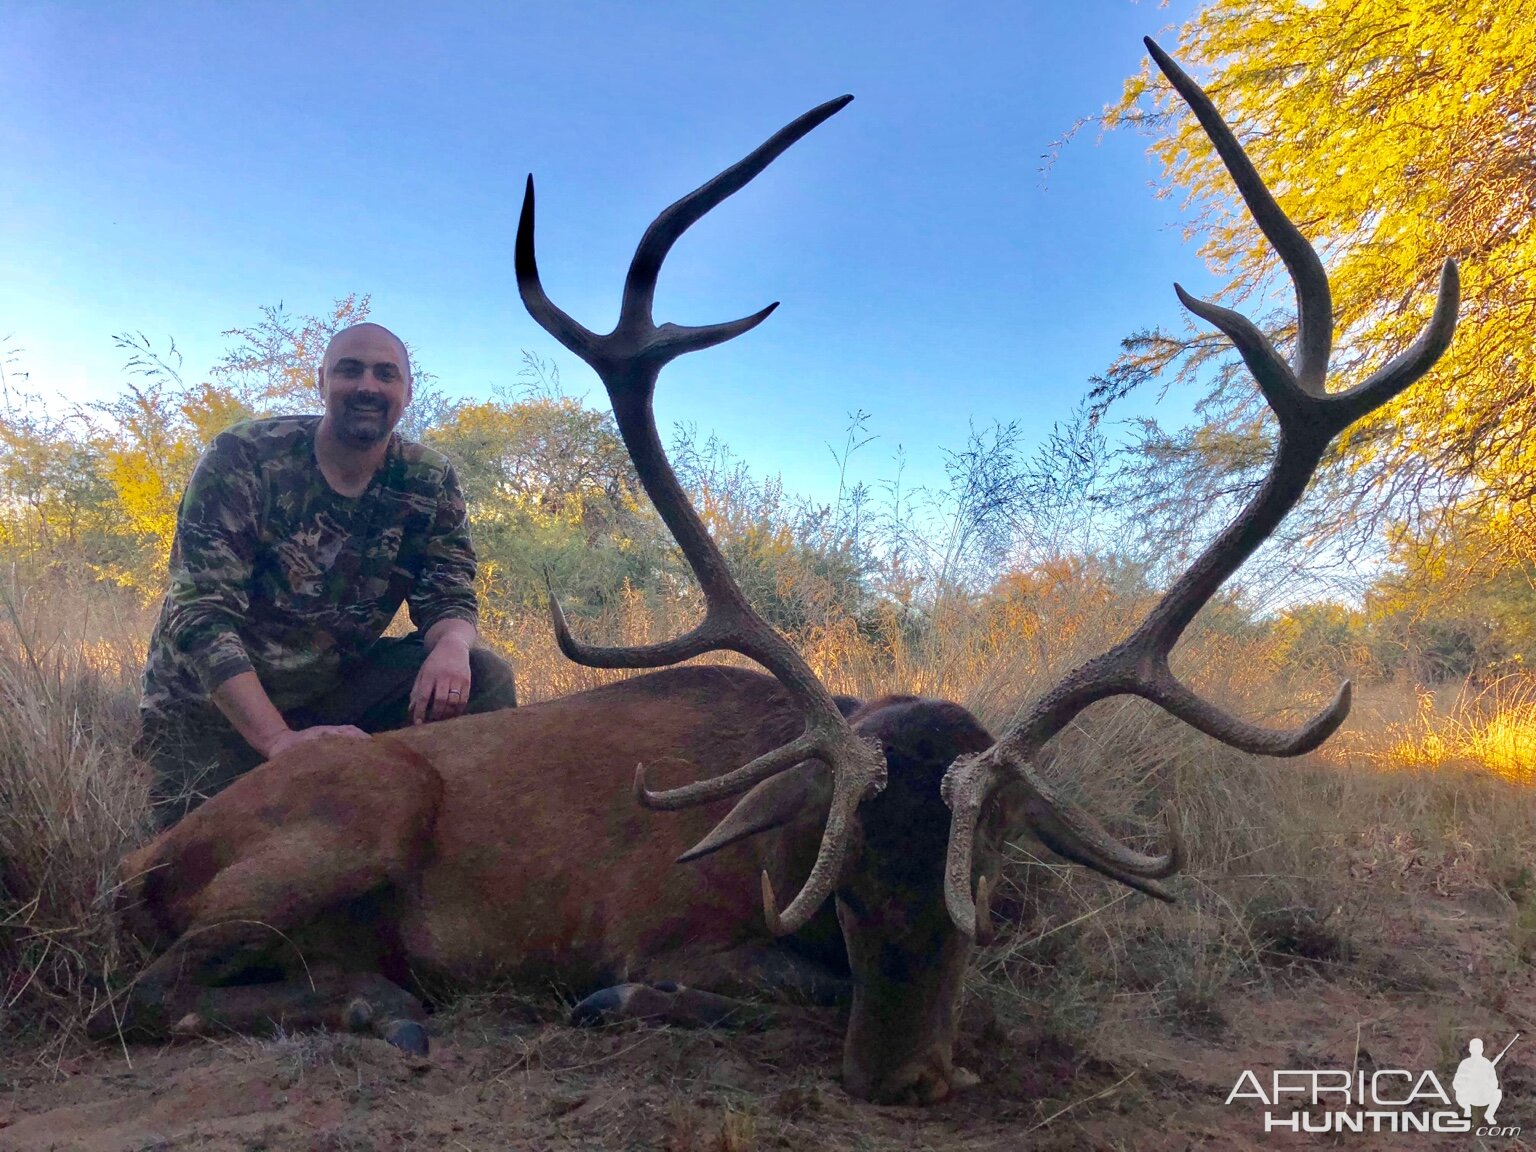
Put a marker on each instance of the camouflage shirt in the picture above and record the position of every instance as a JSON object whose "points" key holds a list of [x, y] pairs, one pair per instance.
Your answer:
{"points": [[274, 572]]}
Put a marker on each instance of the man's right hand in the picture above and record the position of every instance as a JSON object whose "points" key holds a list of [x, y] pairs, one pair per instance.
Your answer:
{"points": [[245, 702], [287, 738]]}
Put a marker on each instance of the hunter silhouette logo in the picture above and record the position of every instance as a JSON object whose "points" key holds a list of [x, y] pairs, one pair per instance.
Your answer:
{"points": [[1477, 1083], [1385, 1100]]}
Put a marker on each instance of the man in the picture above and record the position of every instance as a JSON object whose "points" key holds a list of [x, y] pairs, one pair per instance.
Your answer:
{"points": [[298, 539]]}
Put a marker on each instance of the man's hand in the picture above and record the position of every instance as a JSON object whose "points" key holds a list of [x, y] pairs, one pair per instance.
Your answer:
{"points": [[441, 690], [245, 702], [287, 738]]}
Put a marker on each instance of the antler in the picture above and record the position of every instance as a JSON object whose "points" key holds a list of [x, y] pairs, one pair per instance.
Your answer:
{"points": [[1309, 417], [628, 360]]}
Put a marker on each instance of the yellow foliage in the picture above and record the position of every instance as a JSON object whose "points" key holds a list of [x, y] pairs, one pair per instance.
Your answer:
{"points": [[1494, 730], [148, 458], [1396, 133]]}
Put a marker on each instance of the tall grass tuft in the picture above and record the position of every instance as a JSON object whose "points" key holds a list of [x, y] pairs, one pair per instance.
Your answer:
{"points": [[72, 795], [1491, 727]]}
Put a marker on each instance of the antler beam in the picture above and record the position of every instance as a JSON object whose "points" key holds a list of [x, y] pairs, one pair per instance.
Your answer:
{"points": [[1309, 417], [628, 360]]}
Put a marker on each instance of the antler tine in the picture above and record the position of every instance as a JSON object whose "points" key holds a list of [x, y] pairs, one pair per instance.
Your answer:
{"points": [[731, 784], [640, 283], [685, 647], [551, 318], [1398, 373], [1314, 302], [1267, 366], [1309, 418], [628, 360], [1174, 697], [1065, 829]]}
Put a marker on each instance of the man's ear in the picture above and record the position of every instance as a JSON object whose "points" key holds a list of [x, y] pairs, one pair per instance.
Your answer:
{"points": [[320, 381]]}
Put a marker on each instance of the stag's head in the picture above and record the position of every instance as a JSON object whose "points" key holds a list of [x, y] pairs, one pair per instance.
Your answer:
{"points": [[907, 956], [913, 798]]}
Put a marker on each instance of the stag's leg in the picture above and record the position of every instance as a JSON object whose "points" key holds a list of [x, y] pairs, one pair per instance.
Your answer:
{"points": [[760, 970], [720, 990], [365, 1002], [291, 868], [187, 991], [328, 998]]}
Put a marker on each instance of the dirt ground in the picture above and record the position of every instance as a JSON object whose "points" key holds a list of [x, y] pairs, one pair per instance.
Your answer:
{"points": [[505, 1074]]}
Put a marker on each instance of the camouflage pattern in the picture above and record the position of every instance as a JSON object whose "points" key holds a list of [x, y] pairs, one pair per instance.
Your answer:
{"points": [[272, 571]]}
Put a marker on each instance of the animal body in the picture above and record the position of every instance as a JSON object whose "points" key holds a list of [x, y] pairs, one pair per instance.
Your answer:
{"points": [[509, 842]]}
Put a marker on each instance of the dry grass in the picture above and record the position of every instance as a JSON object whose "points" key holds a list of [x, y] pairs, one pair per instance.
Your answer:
{"points": [[1284, 856], [1488, 727], [72, 796]]}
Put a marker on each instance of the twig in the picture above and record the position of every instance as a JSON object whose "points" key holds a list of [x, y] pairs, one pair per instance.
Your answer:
{"points": [[1085, 1100]]}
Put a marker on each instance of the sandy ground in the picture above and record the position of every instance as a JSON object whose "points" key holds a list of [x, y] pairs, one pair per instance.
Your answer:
{"points": [[505, 1074]]}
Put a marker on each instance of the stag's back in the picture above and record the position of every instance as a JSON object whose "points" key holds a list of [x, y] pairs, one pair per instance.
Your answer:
{"points": [[543, 860]]}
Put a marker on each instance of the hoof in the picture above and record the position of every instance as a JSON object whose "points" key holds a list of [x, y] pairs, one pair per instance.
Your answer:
{"points": [[189, 1025], [625, 1002], [602, 1007], [357, 1016], [408, 1036]]}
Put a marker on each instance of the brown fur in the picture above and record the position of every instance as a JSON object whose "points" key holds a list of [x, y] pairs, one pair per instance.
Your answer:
{"points": [[510, 843]]}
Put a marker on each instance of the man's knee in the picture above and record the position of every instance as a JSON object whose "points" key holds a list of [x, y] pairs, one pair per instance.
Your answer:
{"points": [[492, 684]]}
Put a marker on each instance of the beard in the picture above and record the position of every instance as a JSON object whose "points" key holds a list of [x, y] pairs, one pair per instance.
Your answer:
{"points": [[363, 421]]}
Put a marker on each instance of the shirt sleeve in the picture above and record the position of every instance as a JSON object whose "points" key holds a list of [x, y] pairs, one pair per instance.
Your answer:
{"points": [[445, 586], [211, 561]]}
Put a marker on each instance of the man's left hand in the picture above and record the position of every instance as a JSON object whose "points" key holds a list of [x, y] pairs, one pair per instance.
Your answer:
{"points": [[441, 690]]}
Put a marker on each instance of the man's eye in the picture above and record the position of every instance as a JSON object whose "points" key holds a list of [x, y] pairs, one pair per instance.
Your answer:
{"points": [[386, 373], [349, 369]]}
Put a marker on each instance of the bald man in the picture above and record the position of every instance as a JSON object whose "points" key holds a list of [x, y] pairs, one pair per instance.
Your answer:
{"points": [[298, 539]]}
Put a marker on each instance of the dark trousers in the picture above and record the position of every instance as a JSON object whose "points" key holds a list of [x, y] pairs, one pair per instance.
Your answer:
{"points": [[192, 762]]}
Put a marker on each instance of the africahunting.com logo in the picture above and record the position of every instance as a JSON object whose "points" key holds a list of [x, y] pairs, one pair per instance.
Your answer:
{"points": [[1386, 1100]]}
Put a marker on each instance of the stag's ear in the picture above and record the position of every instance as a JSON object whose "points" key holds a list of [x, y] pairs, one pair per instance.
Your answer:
{"points": [[772, 804]]}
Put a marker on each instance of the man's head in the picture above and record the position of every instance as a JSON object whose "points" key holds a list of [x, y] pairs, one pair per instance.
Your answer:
{"points": [[365, 382], [1476, 1047]]}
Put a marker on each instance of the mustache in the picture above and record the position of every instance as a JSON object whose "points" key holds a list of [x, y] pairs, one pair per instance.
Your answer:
{"points": [[366, 403]]}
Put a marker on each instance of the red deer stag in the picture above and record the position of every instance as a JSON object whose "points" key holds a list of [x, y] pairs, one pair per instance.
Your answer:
{"points": [[510, 843]]}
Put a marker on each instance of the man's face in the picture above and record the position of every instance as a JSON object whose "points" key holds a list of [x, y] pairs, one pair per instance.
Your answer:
{"points": [[365, 383]]}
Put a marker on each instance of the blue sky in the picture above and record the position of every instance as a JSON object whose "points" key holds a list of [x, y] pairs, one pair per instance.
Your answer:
{"points": [[170, 168]]}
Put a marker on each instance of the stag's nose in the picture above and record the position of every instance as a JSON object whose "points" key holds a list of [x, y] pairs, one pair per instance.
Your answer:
{"points": [[927, 1080]]}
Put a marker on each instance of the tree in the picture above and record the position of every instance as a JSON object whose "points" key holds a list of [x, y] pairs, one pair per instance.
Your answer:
{"points": [[155, 431], [551, 493], [272, 368], [1457, 602], [1326, 638], [1396, 133], [52, 491]]}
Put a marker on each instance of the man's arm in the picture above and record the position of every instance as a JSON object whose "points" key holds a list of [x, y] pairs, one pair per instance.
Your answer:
{"points": [[210, 566], [442, 603], [247, 706], [442, 686]]}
